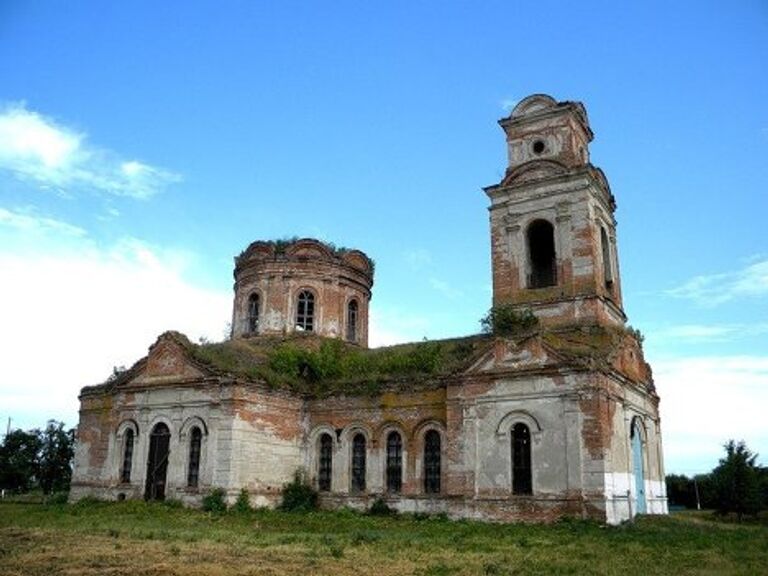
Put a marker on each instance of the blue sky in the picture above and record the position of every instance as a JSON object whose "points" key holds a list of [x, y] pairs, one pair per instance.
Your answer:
{"points": [[144, 144]]}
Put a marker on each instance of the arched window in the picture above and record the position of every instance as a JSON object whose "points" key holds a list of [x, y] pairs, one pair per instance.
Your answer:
{"points": [[157, 462], [607, 267], [325, 463], [305, 311], [432, 462], [394, 462], [636, 440], [253, 313], [125, 471], [193, 470], [541, 254], [352, 321], [521, 460], [358, 463]]}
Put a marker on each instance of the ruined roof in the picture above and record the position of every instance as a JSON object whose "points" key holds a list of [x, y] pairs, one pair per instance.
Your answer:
{"points": [[314, 366]]}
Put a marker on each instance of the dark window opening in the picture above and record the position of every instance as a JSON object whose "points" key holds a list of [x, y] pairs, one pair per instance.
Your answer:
{"points": [[394, 462], [157, 462], [521, 460], [541, 253], [125, 473], [253, 313], [305, 311], [325, 466], [432, 462], [607, 268], [358, 463], [538, 147], [195, 443], [352, 321]]}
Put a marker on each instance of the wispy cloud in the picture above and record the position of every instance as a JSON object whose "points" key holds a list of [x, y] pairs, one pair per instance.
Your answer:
{"points": [[715, 289], [709, 332], [38, 149], [418, 259], [445, 288], [26, 220]]}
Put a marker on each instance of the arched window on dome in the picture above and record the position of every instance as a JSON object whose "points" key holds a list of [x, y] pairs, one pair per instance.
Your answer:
{"points": [[253, 313], [541, 254], [305, 311], [352, 309]]}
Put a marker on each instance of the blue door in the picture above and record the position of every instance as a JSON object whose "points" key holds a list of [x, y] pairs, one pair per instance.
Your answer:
{"points": [[637, 468]]}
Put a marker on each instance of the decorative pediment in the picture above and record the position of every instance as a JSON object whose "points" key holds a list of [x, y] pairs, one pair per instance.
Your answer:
{"points": [[507, 354], [535, 170], [168, 360]]}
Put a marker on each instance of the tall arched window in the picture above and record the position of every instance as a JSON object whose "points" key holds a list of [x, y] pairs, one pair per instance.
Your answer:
{"points": [[541, 254], [253, 313], [394, 462], [305, 311], [352, 321], [521, 460], [157, 462], [125, 471], [358, 463], [636, 440], [432, 462], [195, 444], [607, 267], [325, 463]]}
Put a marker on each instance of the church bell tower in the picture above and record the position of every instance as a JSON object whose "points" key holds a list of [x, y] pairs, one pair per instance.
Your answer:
{"points": [[553, 232]]}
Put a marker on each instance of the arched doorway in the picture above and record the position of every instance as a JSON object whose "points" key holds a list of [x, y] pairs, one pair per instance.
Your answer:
{"points": [[637, 466], [157, 462]]}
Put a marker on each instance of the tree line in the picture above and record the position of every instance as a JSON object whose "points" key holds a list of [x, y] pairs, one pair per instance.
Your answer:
{"points": [[737, 485], [37, 459]]}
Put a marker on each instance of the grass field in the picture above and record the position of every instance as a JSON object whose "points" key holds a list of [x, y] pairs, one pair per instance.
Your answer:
{"points": [[141, 539]]}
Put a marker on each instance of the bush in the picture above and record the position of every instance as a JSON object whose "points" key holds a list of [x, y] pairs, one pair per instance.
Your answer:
{"points": [[505, 320], [243, 502], [215, 501], [57, 498], [298, 495], [380, 508]]}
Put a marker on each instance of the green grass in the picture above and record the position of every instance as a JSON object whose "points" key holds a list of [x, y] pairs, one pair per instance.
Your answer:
{"points": [[137, 538]]}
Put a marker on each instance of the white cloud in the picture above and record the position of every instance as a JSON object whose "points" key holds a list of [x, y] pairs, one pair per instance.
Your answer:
{"points": [[706, 401], [38, 149], [28, 222], [72, 310], [707, 332], [418, 259], [714, 289], [388, 326]]}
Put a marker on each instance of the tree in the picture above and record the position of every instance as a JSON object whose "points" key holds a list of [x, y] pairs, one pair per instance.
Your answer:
{"points": [[737, 481], [56, 452], [19, 460]]}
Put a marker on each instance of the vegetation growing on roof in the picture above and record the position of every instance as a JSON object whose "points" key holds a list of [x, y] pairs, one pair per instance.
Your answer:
{"points": [[506, 320], [281, 245]]}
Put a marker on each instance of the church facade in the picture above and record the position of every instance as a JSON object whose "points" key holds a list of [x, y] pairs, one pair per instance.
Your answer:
{"points": [[556, 417]]}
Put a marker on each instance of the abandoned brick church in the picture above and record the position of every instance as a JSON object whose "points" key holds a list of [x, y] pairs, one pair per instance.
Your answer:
{"points": [[557, 416]]}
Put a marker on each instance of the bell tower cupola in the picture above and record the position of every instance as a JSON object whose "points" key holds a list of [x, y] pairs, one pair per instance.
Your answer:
{"points": [[553, 232]]}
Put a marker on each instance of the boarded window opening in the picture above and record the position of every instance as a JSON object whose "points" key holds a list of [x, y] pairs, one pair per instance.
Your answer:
{"points": [[432, 462], [125, 473], [541, 254], [521, 460], [394, 462], [358, 463], [325, 466], [195, 444], [305, 311], [352, 321], [253, 313]]}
